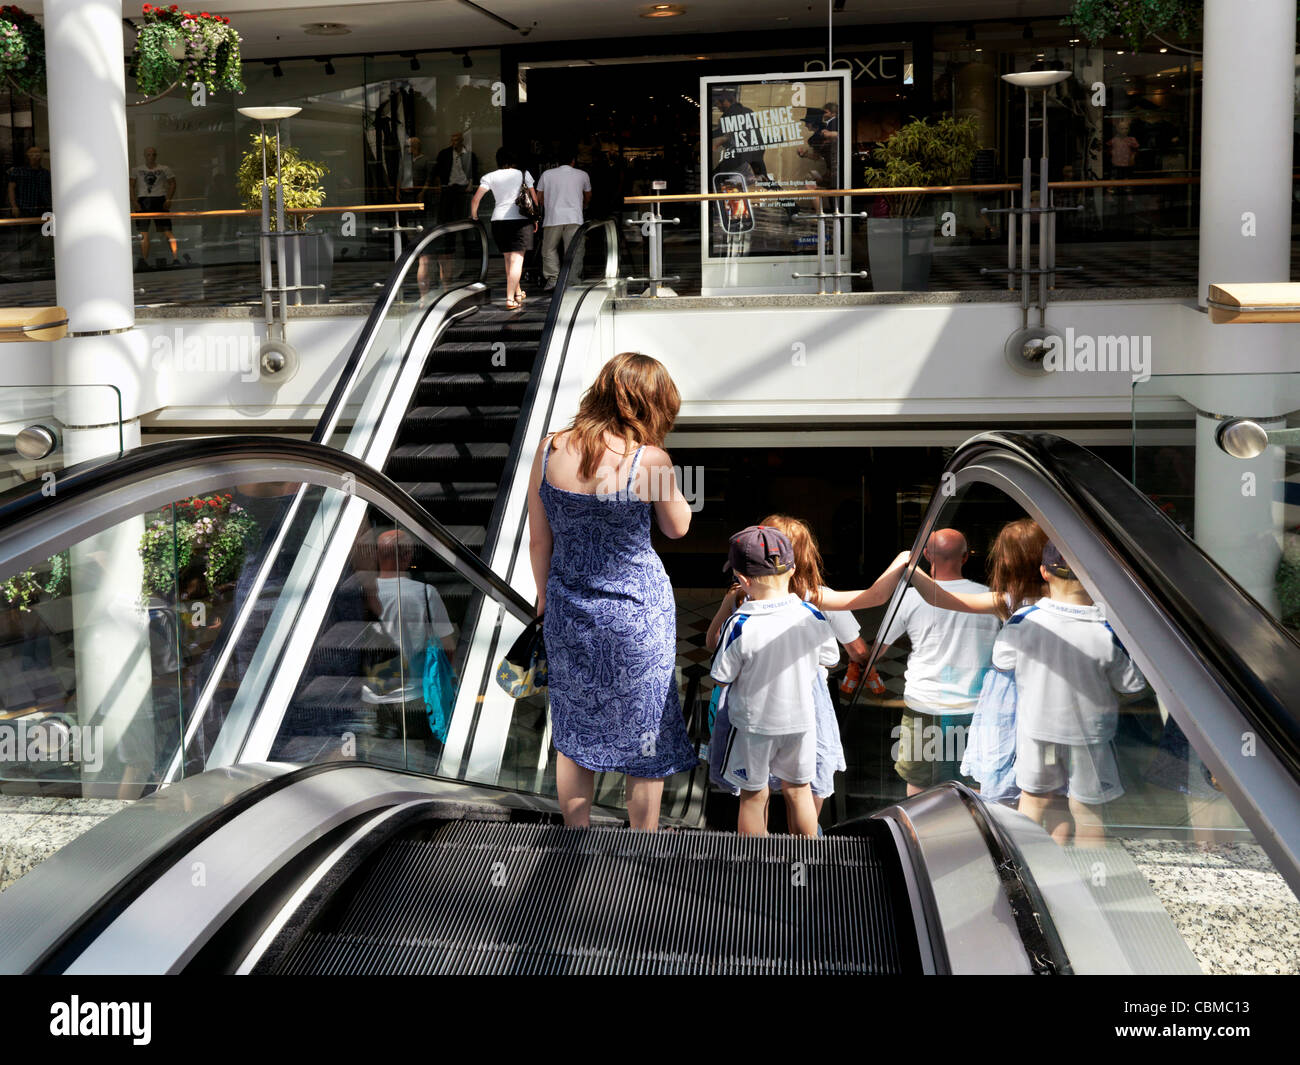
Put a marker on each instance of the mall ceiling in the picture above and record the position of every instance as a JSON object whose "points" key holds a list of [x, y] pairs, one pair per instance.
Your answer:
{"points": [[280, 28]]}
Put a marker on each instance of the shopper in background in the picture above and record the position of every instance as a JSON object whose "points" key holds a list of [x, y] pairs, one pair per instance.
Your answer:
{"points": [[153, 186], [564, 192], [511, 230], [455, 171], [29, 197]]}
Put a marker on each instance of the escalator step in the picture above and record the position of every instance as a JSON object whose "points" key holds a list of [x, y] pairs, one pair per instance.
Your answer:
{"points": [[493, 897], [482, 356], [499, 386], [481, 460], [455, 424]]}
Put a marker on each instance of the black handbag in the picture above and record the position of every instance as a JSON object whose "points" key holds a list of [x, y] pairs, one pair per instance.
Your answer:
{"points": [[522, 672], [526, 204]]}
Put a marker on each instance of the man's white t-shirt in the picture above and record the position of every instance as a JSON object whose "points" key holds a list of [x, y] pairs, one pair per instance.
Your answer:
{"points": [[504, 186], [769, 651], [951, 651], [1069, 664], [407, 608], [151, 181], [563, 187]]}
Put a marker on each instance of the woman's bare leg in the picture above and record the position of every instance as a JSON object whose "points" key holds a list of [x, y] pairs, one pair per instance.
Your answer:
{"points": [[644, 794], [514, 270], [576, 787]]}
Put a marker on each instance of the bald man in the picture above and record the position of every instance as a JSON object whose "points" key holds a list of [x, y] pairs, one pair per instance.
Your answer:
{"points": [[945, 669]]}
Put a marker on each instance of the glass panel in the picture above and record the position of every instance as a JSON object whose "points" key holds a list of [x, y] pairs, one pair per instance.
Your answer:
{"points": [[382, 680], [1073, 738], [445, 261], [1241, 511], [35, 438], [98, 644]]}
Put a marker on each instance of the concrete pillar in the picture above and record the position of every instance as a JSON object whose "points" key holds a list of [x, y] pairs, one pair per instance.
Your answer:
{"points": [[92, 249], [1245, 235]]}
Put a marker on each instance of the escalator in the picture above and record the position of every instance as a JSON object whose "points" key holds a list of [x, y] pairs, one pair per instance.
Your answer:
{"points": [[376, 859]]}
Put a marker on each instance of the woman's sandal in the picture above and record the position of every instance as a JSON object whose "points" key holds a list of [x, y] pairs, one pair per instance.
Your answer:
{"points": [[513, 305]]}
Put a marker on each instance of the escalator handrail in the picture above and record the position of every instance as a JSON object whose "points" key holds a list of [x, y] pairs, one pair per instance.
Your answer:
{"points": [[1261, 673], [83, 487], [529, 401], [352, 369]]}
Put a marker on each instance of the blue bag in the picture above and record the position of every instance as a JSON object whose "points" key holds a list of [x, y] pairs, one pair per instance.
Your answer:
{"points": [[439, 689], [439, 680]]}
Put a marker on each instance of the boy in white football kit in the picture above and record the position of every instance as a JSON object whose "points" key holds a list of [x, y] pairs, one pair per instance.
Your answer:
{"points": [[769, 651], [1069, 666]]}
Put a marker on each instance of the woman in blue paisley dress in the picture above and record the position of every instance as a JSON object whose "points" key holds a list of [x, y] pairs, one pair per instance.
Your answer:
{"points": [[610, 620]]}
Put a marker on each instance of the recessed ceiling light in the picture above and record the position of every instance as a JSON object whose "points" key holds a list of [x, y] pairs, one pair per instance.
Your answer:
{"points": [[664, 11], [327, 29], [1163, 50]]}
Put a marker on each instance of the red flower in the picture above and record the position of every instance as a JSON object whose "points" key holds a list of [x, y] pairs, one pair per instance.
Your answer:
{"points": [[205, 15]]}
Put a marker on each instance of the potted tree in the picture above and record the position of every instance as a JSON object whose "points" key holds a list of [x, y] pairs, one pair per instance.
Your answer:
{"points": [[301, 180], [919, 154]]}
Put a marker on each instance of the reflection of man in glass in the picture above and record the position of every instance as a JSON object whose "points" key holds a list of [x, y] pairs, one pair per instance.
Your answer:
{"points": [[456, 171], [732, 155], [824, 142]]}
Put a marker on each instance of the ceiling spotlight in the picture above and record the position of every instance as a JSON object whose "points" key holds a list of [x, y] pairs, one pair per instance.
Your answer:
{"points": [[415, 62], [664, 11], [467, 62], [1029, 31], [329, 66], [327, 29], [276, 71]]}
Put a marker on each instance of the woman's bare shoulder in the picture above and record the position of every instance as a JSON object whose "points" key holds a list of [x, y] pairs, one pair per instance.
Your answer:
{"points": [[655, 456]]}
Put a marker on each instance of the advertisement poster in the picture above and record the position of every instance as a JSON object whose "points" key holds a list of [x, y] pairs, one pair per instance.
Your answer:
{"points": [[768, 133]]}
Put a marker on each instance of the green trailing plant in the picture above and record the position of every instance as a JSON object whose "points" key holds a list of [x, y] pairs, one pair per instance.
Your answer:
{"points": [[22, 50], [301, 178], [923, 153], [1134, 20], [23, 589], [177, 47], [207, 535]]}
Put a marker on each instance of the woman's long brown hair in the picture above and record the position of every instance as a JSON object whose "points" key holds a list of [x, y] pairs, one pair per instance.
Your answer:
{"points": [[807, 580], [632, 398], [1014, 561]]}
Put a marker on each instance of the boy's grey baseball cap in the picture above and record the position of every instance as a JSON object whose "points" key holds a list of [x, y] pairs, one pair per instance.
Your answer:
{"points": [[1054, 562], [759, 550]]}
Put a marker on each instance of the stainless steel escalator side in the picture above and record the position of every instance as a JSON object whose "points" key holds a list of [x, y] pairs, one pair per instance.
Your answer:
{"points": [[1223, 667], [126, 897]]}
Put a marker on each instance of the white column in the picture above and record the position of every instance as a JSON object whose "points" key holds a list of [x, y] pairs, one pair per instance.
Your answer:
{"points": [[92, 249], [1247, 104], [1245, 235]]}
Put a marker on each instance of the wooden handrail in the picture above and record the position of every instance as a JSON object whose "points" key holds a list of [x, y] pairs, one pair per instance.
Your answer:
{"points": [[901, 190], [32, 323], [244, 212]]}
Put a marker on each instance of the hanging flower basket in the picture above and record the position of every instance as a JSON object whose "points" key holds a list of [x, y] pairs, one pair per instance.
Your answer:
{"points": [[176, 47], [22, 50]]}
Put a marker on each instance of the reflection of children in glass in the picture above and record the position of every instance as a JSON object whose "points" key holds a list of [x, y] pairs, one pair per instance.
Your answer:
{"points": [[1068, 665], [411, 612]]}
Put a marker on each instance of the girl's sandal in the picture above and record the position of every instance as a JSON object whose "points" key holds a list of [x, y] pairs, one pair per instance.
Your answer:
{"points": [[512, 305]]}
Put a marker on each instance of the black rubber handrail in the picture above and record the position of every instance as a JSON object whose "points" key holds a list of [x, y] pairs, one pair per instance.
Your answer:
{"points": [[27, 503], [1251, 655], [356, 360]]}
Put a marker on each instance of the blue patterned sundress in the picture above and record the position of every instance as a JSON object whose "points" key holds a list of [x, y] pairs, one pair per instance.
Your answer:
{"points": [[611, 635]]}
